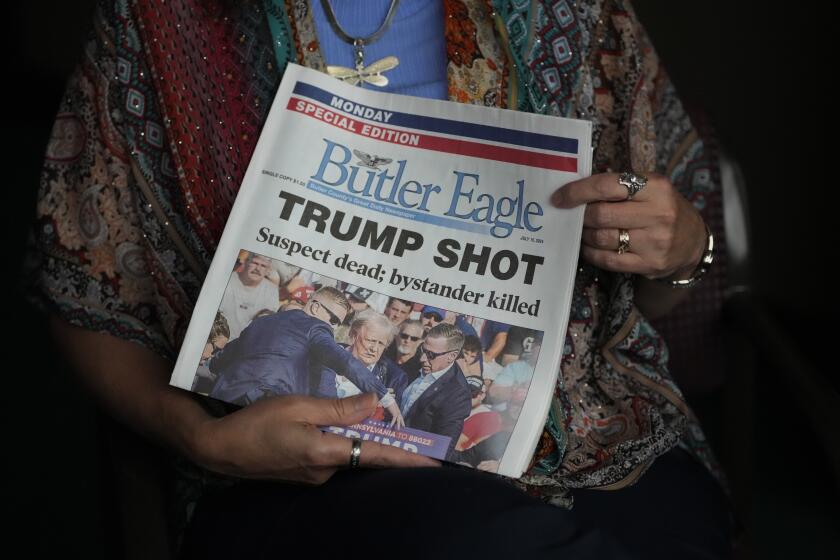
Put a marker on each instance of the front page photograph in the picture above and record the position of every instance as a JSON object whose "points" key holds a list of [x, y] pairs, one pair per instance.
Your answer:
{"points": [[314, 335]]}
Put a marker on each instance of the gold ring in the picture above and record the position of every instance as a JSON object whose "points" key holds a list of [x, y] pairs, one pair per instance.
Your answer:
{"points": [[623, 241]]}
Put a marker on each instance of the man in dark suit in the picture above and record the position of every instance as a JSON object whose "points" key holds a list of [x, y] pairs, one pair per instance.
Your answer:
{"points": [[438, 401], [370, 333], [276, 354]]}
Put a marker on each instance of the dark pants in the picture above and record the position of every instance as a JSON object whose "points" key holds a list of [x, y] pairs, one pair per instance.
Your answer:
{"points": [[676, 511]]}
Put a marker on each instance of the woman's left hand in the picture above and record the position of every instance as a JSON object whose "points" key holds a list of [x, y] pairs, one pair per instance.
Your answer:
{"points": [[667, 234]]}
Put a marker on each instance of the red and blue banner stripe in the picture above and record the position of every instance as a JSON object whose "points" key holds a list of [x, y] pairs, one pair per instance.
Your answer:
{"points": [[557, 153]]}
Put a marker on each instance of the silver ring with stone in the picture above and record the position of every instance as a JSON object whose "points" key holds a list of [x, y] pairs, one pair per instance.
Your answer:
{"points": [[633, 183]]}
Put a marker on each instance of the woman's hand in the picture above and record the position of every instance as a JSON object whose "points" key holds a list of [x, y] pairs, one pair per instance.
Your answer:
{"points": [[278, 438], [397, 420], [667, 234]]}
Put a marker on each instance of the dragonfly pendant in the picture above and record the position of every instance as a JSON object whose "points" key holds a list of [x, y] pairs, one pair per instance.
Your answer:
{"points": [[361, 74]]}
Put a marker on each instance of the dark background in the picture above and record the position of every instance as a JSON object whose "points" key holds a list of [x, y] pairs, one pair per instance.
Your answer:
{"points": [[756, 73]]}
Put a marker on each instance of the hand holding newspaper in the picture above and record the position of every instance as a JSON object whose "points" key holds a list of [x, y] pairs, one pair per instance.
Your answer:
{"points": [[402, 246]]}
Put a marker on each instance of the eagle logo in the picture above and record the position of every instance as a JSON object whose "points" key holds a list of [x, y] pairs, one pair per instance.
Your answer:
{"points": [[371, 161]]}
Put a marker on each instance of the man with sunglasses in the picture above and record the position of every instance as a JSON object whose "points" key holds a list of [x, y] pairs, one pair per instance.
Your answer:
{"points": [[438, 401], [405, 350], [431, 317], [277, 354]]}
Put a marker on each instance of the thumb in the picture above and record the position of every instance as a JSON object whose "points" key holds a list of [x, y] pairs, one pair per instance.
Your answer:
{"points": [[343, 412]]}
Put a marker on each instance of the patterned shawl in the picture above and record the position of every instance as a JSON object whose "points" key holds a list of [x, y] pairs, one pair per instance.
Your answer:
{"points": [[160, 119]]}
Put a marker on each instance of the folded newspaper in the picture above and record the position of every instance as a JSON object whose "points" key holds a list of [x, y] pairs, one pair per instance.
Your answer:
{"points": [[403, 246]]}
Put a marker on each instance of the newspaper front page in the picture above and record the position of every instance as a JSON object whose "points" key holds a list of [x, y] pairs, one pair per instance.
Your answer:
{"points": [[403, 246]]}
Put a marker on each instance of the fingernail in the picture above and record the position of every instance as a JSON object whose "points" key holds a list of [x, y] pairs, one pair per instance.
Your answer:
{"points": [[557, 197], [362, 402]]}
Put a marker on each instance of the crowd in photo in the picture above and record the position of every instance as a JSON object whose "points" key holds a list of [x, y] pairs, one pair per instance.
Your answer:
{"points": [[283, 330]]}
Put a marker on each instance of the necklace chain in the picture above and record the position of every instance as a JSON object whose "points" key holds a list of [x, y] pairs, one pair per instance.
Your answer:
{"points": [[359, 43]]}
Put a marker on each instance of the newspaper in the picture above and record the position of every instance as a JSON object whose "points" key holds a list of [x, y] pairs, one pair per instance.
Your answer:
{"points": [[432, 213]]}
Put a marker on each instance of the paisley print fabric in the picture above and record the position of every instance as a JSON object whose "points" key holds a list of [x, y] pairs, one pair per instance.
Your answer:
{"points": [[160, 119]]}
